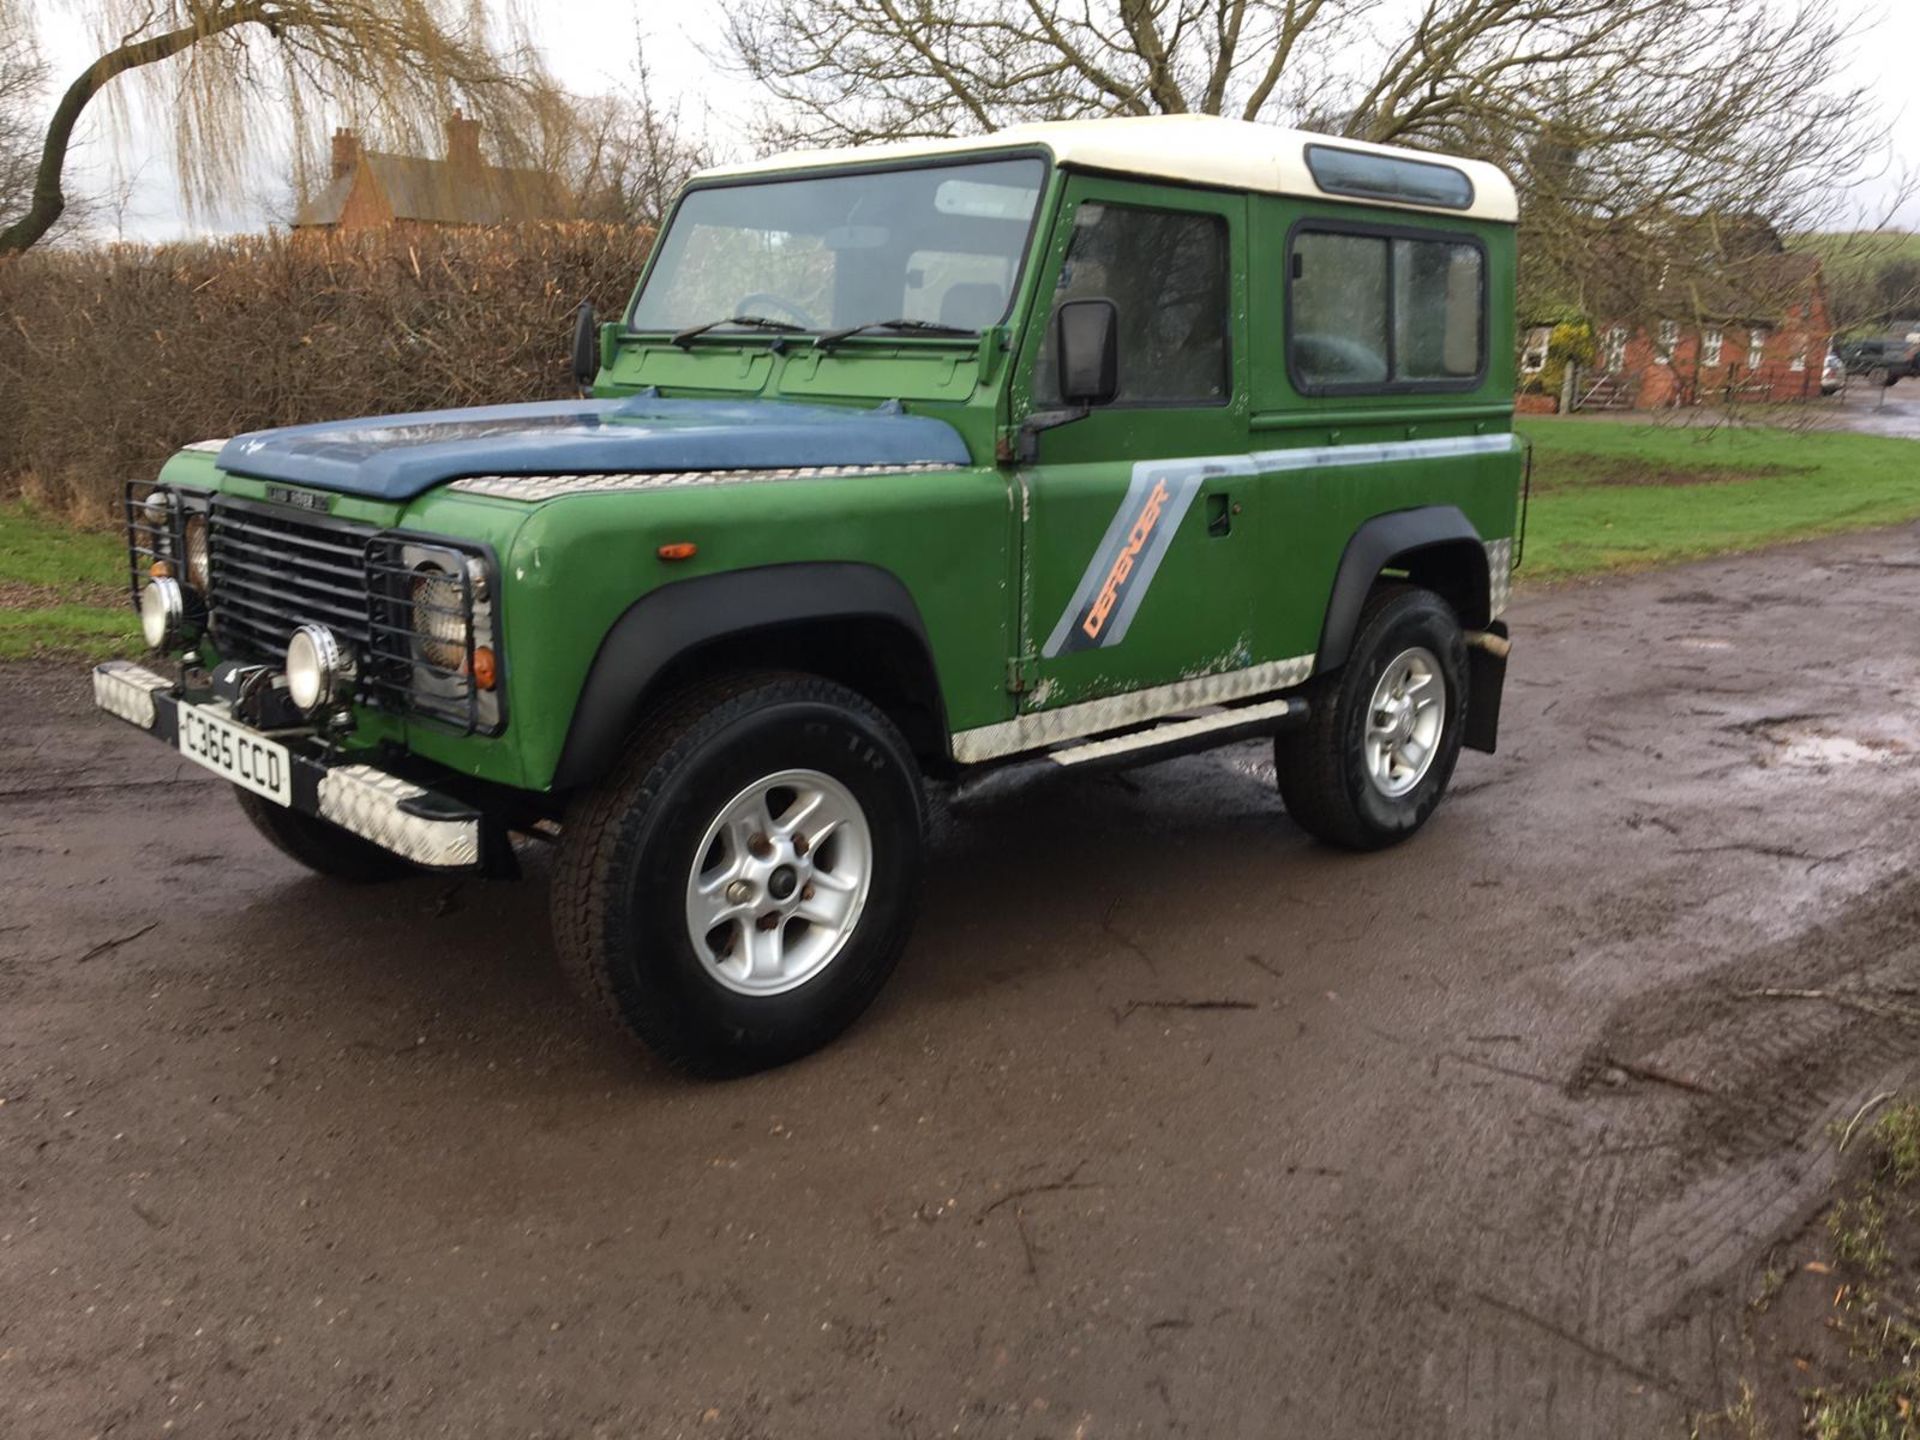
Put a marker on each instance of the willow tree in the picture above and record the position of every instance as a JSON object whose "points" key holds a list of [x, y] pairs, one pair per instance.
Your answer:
{"points": [[21, 76], [209, 66], [1615, 116]]}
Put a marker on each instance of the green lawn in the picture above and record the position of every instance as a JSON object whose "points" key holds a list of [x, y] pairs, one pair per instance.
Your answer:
{"points": [[62, 591], [1613, 495], [1846, 253]]}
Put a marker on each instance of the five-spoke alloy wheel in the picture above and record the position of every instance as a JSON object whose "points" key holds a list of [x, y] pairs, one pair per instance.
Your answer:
{"points": [[780, 883]]}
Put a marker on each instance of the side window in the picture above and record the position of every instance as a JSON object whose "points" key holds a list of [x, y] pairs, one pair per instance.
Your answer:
{"points": [[1339, 332], [1166, 272], [1384, 312]]}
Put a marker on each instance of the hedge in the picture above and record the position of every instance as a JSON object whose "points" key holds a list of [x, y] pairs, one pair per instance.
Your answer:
{"points": [[111, 358]]}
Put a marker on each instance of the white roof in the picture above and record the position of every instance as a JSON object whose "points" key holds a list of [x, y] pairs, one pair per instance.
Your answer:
{"points": [[1196, 149]]}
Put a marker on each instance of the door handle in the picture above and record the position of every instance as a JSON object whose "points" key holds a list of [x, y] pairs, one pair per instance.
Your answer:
{"points": [[1220, 513]]}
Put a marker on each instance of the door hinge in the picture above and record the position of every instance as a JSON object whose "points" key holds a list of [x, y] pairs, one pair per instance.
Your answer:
{"points": [[1019, 675]]}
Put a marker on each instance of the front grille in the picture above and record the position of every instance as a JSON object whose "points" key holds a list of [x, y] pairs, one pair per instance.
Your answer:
{"points": [[273, 570]]}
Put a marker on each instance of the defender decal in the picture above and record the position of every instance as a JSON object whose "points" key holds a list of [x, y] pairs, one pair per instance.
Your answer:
{"points": [[1122, 569]]}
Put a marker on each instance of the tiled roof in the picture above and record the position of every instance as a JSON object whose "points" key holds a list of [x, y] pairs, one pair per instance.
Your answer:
{"points": [[439, 192]]}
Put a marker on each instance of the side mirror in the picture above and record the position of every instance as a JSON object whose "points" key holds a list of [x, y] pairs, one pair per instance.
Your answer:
{"points": [[586, 347], [1088, 336]]}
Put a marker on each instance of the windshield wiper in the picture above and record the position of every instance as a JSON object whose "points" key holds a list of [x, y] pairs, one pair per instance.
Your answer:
{"points": [[755, 322], [920, 327]]}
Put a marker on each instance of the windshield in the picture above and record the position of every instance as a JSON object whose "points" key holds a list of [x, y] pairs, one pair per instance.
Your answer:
{"points": [[940, 246]]}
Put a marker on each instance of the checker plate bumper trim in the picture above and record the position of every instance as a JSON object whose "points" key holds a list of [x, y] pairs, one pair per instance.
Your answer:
{"points": [[415, 823]]}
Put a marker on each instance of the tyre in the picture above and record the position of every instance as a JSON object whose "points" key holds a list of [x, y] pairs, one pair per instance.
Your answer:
{"points": [[1881, 376], [320, 845], [1384, 730], [737, 891]]}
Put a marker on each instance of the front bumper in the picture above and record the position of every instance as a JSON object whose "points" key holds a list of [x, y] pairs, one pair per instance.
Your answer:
{"points": [[415, 823]]}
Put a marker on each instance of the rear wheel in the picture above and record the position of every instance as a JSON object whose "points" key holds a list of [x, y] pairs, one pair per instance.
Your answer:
{"points": [[320, 845], [1384, 730], [737, 892]]}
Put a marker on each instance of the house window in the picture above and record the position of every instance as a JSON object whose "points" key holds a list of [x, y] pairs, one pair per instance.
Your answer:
{"points": [[1615, 356], [1669, 338], [1711, 341], [1385, 311], [1534, 358], [1757, 347], [1799, 360]]}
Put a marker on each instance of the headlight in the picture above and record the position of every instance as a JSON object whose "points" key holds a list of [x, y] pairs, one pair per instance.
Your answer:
{"points": [[199, 567], [165, 618], [320, 671], [439, 617]]}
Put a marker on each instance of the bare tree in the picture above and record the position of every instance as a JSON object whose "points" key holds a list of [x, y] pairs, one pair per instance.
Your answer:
{"points": [[21, 77], [401, 61], [621, 155], [1615, 116]]}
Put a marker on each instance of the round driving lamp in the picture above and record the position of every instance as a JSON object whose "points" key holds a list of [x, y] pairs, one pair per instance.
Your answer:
{"points": [[199, 564], [319, 670], [157, 508], [164, 619]]}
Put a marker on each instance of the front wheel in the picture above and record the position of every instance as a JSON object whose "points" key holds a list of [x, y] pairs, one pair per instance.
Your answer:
{"points": [[737, 892], [320, 845], [1383, 731]]}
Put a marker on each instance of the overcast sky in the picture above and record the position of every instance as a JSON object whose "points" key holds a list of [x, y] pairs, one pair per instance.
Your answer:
{"points": [[590, 45]]}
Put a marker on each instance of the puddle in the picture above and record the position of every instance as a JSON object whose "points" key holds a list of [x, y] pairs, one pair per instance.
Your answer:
{"points": [[1822, 751], [1806, 744]]}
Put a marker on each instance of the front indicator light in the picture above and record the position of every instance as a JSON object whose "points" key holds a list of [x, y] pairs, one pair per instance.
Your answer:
{"points": [[486, 668], [320, 671]]}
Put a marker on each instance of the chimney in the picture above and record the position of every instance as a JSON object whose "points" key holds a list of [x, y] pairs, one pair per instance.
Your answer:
{"points": [[346, 152], [463, 142]]}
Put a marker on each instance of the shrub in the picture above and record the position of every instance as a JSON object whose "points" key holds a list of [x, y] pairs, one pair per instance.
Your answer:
{"points": [[111, 358]]}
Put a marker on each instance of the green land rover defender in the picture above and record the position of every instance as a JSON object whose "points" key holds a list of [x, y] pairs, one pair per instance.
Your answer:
{"points": [[1076, 443]]}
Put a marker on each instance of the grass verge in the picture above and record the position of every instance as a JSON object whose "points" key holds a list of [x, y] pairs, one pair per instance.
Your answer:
{"points": [[1835, 1333], [62, 590], [1619, 496]]}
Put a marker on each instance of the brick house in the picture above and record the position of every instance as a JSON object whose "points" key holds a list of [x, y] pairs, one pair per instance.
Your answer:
{"points": [[1754, 327], [369, 189]]}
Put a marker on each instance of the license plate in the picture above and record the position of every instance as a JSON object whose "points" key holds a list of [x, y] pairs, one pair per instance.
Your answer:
{"points": [[243, 756]]}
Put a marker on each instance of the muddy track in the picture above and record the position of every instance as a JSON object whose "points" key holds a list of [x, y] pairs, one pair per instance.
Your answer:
{"points": [[1171, 1124]]}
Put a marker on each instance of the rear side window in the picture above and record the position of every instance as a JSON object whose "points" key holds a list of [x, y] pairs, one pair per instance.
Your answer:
{"points": [[1166, 272], [1386, 312]]}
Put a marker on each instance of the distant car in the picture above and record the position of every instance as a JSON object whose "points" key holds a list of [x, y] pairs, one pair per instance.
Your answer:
{"points": [[1883, 361], [1833, 374]]}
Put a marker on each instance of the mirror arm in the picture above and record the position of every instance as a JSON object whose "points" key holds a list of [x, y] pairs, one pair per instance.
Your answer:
{"points": [[1026, 445]]}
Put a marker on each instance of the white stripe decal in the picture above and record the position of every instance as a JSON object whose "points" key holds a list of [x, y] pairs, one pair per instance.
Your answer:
{"points": [[1321, 456], [1071, 722]]}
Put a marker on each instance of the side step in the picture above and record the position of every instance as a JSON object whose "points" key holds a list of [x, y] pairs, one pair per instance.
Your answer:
{"points": [[1180, 736]]}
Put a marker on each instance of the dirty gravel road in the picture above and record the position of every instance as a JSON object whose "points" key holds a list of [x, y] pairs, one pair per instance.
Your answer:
{"points": [[1484, 1137]]}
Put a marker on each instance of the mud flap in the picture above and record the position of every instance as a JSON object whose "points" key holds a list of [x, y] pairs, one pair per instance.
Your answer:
{"points": [[1486, 678]]}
